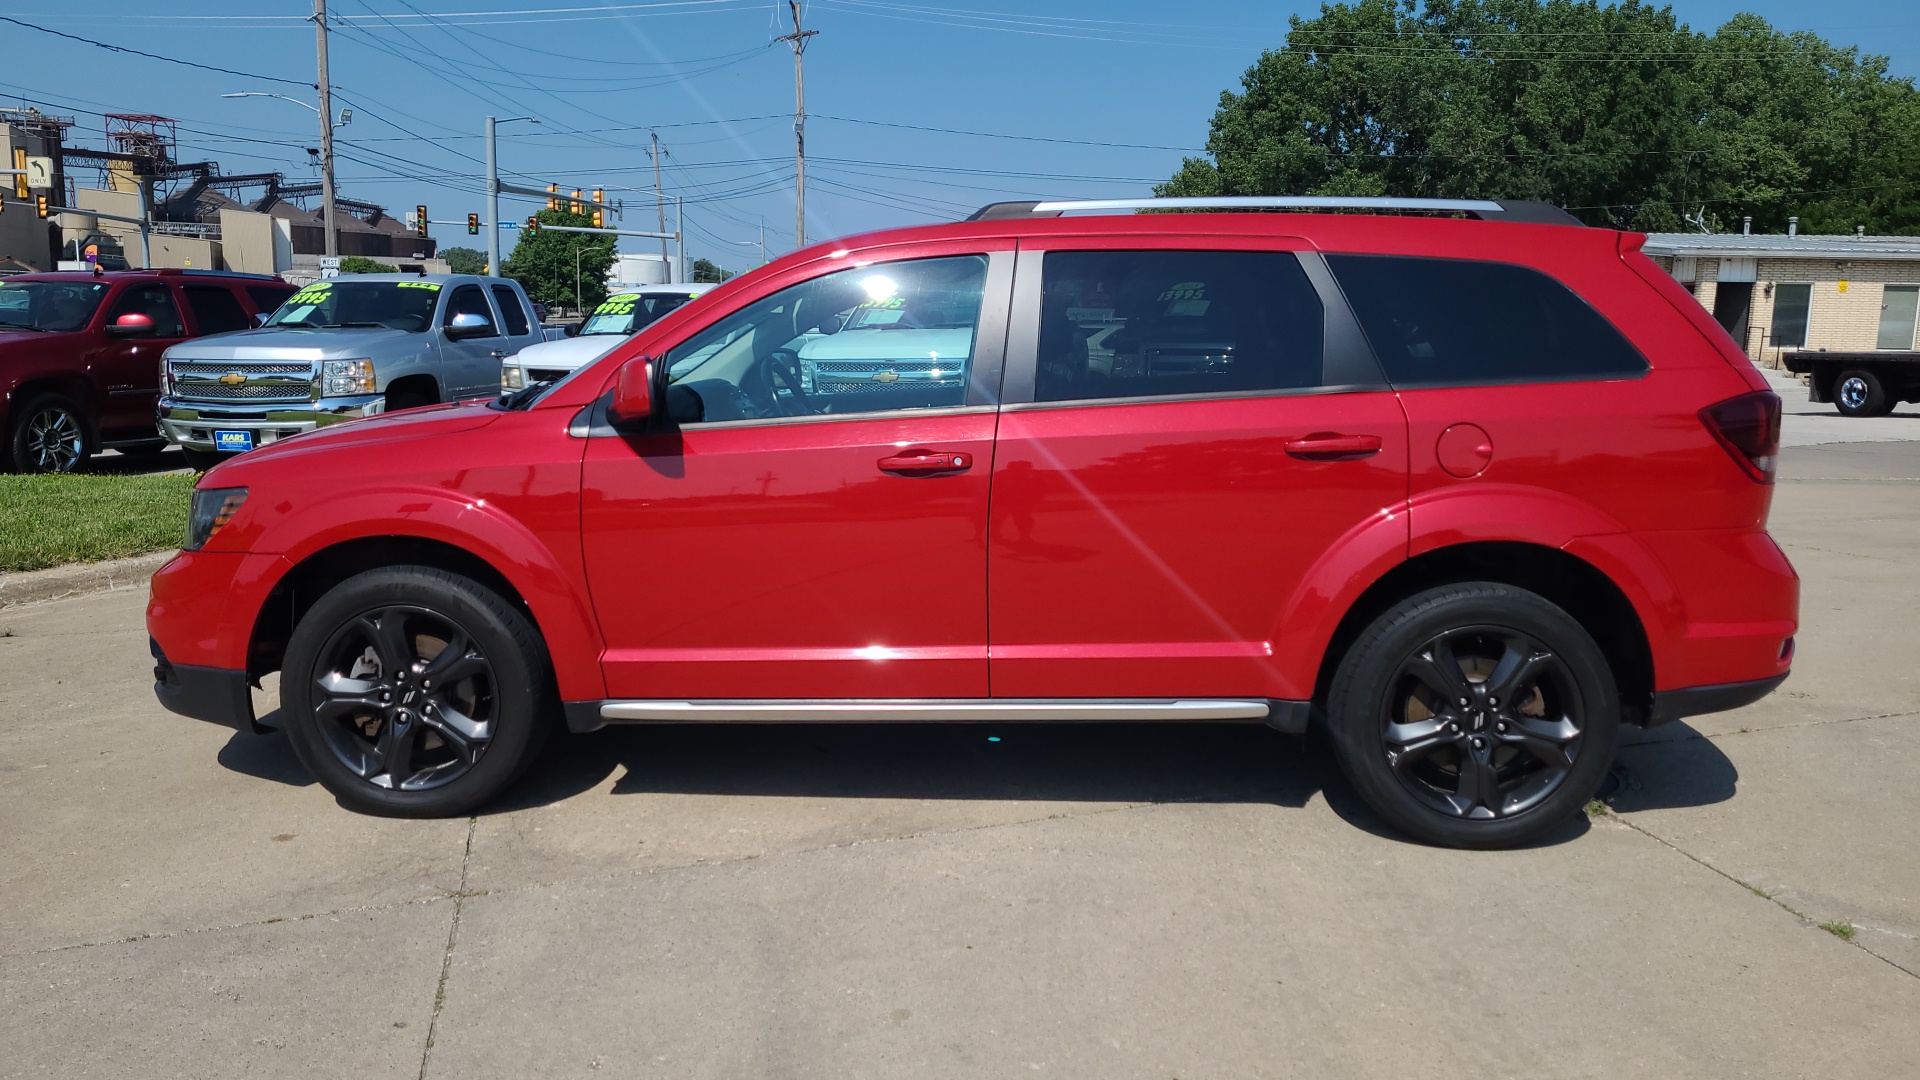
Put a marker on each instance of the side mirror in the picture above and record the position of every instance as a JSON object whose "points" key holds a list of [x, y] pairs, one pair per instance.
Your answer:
{"points": [[132, 324], [467, 324], [632, 394]]}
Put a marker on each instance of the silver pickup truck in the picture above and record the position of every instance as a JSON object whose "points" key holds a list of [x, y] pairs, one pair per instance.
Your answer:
{"points": [[339, 349]]}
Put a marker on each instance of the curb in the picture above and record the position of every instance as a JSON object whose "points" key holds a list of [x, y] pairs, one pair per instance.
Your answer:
{"points": [[62, 582]]}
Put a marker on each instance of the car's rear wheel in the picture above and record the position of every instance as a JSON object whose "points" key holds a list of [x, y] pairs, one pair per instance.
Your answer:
{"points": [[1860, 392], [49, 435], [415, 692], [1475, 715]]}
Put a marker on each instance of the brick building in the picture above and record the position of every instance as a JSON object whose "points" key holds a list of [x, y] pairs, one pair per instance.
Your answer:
{"points": [[1778, 293]]}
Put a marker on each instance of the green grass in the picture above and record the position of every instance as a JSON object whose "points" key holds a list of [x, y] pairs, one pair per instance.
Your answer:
{"points": [[51, 520], [1841, 930]]}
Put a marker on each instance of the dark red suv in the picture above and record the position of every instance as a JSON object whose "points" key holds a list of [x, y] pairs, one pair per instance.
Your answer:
{"points": [[80, 354], [1473, 489]]}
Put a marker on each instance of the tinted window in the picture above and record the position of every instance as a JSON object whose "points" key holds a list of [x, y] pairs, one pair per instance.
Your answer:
{"points": [[1790, 304], [1454, 321], [50, 305], [511, 310], [468, 300], [156, 303], [1133, 323], [266, 298], [866, 339], [215, 311]]}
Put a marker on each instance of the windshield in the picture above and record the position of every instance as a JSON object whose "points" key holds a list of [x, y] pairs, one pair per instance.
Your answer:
{"points": [[628, 313], [400, 305], [55, 306]]}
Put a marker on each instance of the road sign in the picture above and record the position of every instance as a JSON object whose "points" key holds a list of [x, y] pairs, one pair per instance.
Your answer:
{"points": [[329, 266], [40, 173]]}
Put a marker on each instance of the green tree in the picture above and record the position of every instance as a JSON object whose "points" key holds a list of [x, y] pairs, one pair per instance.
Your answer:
{"points": [[548, 264], [465, 260], [708, 270], [1617, 112], [360, 264]]}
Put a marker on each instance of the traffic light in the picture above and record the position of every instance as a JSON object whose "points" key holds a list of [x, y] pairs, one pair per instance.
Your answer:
{"points": [[20, 173], [420, 220], [533, 225], [473, 224], [599, 220], [574, 205], [40, 203], [553, 196]]}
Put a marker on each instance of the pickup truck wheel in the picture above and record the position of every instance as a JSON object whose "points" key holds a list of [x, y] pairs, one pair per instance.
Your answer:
{"points": [[49, 436], [415, 692], [1475, 715], [1859, 392]]}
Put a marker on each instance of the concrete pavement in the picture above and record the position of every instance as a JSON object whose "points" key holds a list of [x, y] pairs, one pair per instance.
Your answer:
{"points": [[176, 900]]}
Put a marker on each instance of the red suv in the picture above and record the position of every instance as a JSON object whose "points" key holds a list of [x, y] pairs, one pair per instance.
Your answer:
{"points": [[1472, 491], [80, 354]]}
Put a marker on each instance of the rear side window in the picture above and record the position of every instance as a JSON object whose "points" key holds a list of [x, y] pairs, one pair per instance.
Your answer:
{"points": [[511, 310], [1448, 322], [215, 310], [267, 299], [1117, 324]]}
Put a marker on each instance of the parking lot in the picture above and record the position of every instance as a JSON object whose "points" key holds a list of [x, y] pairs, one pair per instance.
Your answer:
{"points": [[1097, 901]]}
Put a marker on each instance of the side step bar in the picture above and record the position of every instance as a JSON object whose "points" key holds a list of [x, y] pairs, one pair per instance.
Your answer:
{"points": [[590, 715]]}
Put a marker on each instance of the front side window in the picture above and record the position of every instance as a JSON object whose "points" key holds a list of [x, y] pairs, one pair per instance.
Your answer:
{"points": [[334, 302], [1457, 322], [156, 303], [630, 313], [866, 339], [1790, 305], [57, 307], [1120, 324], [469, 300]]}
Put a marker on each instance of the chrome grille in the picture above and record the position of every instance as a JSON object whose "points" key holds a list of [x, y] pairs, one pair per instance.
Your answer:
{"points": [[857, 376], [200, 380]]}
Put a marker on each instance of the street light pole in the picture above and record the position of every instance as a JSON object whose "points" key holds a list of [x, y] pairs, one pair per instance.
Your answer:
{"points": [[493, 193], [326, 131]]}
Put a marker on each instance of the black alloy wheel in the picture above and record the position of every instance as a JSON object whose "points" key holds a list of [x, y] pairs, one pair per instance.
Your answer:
{"points": [[404, 698], [416, 692], [1483, 722], [1475, 715], [50, 436]]}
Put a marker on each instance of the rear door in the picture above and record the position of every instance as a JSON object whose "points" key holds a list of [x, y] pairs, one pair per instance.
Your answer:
{"points": [[1189, 429]]}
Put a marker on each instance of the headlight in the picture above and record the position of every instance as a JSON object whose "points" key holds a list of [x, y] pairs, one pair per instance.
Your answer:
{"points": [[512, 377], [212, 509], [166, 376], [339, 377]]}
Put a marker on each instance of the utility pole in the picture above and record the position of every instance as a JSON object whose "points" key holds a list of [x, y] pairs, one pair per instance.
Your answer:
{"points": [[326, 130], [798, 39], [660, 204], [493, 204], [763, 241]]}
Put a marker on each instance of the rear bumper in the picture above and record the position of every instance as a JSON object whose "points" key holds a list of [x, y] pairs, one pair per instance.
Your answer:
{"points": [[1671, 705], [216, 695], [192, 423]]}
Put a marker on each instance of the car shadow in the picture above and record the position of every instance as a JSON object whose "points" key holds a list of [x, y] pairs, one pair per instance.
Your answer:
{"points": [[114, 463], [265, 757], [1670, 768]]}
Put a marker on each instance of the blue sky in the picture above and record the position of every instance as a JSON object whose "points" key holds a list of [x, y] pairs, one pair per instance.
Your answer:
{"points": [[1042, 98]]}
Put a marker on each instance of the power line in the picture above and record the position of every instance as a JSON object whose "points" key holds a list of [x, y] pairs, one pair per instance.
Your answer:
{"points": [[152, 56]]}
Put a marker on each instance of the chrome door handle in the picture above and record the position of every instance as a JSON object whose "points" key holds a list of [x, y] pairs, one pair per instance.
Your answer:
{"points": [[926, 463]]}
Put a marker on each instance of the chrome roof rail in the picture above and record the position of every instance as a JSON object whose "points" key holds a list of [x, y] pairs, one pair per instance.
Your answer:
{"points": [[1485, 209]]}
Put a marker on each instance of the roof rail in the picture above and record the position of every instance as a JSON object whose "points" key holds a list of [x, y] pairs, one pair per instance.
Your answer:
{"points": [[1537, 213]]}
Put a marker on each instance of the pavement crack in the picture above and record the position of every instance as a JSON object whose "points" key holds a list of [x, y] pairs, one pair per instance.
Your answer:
{"points": [[1756, 890], [130, 939], [453, 935]]}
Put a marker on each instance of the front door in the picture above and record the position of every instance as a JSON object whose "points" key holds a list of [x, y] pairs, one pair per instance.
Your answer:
{"points": [[793, 535], [470, 366], [127, 370], [1175, 456]]}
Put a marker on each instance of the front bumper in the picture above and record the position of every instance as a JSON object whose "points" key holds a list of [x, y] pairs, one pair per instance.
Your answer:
{"points": [[192, 423], [216, 695]]}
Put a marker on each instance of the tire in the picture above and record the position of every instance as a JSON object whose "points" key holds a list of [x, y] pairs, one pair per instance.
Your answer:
{"points": [[202, 460], [352, 712], [1488, 775], [406, 399], [1859, 392], [50, 435]]}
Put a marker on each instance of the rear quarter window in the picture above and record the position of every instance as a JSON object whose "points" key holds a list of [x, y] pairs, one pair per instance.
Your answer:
{"points": [[1450, 322]]}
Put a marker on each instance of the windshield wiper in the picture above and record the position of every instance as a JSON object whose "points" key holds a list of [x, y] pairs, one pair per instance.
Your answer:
{"points": [[352, 325], [289, 322], [24, 326], [522, 398]]}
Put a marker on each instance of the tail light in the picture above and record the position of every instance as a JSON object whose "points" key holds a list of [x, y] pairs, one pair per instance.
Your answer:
{"points": [[1749, 427]]}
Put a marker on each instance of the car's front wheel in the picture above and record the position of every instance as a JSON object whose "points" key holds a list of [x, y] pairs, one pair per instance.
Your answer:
{"points": [[415, 692], [1475, 715], [50, 436]]}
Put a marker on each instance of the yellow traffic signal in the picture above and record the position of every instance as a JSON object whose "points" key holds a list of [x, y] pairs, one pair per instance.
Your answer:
{"points": [[599, 220], [40, 203], [553, 196], [573, 205], [420, 220], [20, 173]]}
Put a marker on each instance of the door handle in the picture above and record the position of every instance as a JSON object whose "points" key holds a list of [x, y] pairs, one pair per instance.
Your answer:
{"points": [[1332, 446], [926, 463], [497, 354]]}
